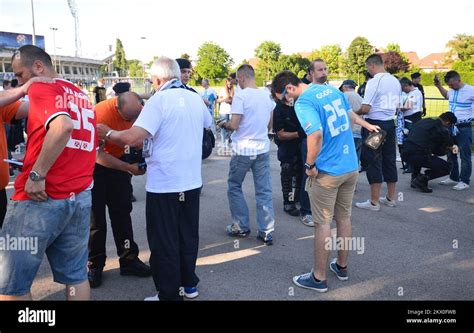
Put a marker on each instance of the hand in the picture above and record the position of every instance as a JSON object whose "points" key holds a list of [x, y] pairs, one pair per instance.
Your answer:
{"points": [[102, 131], [312, 173], [436, 81], [423, 114], [455, 149], [372, 128], [135, 170], [42, 79], [36, 190]]}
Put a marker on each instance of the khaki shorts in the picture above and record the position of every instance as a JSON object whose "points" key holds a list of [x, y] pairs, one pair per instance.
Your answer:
{"points": [[331, 196]]}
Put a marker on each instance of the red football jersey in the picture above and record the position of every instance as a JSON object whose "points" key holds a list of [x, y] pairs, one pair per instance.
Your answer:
{"points": [[72, 172]]}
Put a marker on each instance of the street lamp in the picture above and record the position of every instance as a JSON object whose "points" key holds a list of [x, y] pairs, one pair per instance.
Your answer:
{"points": [[143, 61], [33, 39], [54, 43]]}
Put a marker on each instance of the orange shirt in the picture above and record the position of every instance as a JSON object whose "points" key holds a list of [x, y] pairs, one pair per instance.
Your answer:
{"points": [[7, 114], [107, 113]]}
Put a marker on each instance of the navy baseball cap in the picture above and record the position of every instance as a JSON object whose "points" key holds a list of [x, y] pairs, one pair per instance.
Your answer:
{"points": [[350, 83]]}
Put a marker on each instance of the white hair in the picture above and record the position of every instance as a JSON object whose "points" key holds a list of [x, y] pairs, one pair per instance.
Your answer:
{"points": [[165, 69]]}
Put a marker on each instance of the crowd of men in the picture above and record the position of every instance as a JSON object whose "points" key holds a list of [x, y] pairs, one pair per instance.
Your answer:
{"points": [[80, 159]]}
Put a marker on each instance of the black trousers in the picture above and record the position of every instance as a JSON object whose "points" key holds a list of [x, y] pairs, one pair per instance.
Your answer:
{"points": [[3, 206], [436, 167], [112, 189], [172, 223], [381, 165], [289, 170]]}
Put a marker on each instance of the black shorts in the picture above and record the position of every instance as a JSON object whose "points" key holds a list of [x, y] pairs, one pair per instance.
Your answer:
{"points": [[381, 164]]}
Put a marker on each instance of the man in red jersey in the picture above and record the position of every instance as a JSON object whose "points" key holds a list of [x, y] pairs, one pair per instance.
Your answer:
{"points": [[51, 205]]}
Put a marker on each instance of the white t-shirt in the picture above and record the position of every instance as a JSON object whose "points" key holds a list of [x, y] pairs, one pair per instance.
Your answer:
{"points": [[175, 118], [461, 102], [224, 107], [255, 106], [382, 93], [416, 99]]}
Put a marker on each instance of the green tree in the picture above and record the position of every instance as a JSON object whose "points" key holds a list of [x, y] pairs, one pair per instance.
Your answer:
{"points": [[185, 56], [120, 62], [357, 53], [135, 68], [268, 54], [332, 55], [213, 62], [461, 52], [295, 63]]}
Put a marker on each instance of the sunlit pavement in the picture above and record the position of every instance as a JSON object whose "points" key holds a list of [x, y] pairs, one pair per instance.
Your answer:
{"points": [[421, 250]]}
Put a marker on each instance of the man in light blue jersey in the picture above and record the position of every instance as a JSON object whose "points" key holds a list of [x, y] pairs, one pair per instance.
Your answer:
{"points": [[331, 166], [461, 103]]}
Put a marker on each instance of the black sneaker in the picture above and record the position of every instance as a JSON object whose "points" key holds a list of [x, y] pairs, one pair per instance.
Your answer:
{"points": [[291, 210], [267, 239], [95, 277], [134, 267], [421, 183]]}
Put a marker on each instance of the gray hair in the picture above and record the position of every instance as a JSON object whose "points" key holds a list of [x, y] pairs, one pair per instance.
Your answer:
{"points": [[165, 69]]}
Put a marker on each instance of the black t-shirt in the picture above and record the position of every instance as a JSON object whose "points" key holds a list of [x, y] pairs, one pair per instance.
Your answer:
{"points": [[284, 118], [99, 94], [428, 136]]}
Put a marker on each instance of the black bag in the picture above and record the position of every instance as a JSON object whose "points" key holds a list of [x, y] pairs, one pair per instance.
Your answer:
{"points": [[208, 142], [376, 139]]}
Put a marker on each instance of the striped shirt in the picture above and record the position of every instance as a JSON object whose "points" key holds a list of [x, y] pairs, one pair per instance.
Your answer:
{"points": [[461, 103]]}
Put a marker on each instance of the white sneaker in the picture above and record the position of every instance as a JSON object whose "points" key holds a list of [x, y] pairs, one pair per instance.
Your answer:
{"points": [[390, 203], [307, 220], [447, 181], [461, 186], [368, 205], [152, 298]]}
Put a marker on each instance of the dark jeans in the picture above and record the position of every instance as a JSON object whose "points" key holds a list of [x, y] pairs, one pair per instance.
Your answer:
{"points": [[304, 198], [436, 167], [381, 164], [3, 206], [289, 171], [464, 142], [172, 225], [112, 188]]}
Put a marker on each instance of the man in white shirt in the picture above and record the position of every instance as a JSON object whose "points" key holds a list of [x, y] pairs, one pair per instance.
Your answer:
{"points": [[251, 120], [171, 123], [461, 103], [413, 106], [381, 100]]}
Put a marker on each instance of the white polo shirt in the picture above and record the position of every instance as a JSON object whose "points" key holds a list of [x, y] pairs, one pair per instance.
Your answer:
{"points": [[461, 102], [416, 99], [175, 118], [382, 93], [255, 106]]}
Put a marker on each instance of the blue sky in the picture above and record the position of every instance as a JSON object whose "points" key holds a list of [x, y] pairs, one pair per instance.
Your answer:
{"points": [[173, 27]]}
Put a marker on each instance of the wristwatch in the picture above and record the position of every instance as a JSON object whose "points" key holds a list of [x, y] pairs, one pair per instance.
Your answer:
{"points": [[107, 135], [309, 166], [35, 176]]}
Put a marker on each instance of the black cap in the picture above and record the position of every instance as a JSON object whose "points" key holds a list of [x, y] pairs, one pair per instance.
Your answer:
{"points": [[415, 75], [183, 63], [121, 87], [350, 83]]}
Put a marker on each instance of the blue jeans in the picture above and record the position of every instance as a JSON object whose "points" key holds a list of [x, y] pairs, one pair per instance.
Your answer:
{"points": [[260, 165], [464, 142], [57, 228], [225, 134], [304, 198]]}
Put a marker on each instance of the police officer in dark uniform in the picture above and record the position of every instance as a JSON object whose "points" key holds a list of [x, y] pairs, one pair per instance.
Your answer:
{"points": [[428, 139], [288, 138]]}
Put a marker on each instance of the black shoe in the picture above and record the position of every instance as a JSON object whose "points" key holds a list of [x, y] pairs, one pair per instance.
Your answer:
{"points": [[291, 210], [133, 198], [95, 276], [134, 267], [421, 183]]}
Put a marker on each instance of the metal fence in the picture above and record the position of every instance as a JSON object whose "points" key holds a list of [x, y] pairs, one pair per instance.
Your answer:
{"points": [[436, 106]]}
